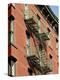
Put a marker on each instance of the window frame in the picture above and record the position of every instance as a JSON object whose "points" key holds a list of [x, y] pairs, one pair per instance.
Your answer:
{"points": [[11, 31], [11, 70]]}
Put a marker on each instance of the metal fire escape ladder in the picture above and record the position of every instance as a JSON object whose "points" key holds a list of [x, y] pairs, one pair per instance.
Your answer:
{"points": [[43, 61], [40, 63]]}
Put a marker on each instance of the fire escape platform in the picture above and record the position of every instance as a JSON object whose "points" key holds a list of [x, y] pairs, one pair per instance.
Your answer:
{"points": [[30, 26], [35, 62]]}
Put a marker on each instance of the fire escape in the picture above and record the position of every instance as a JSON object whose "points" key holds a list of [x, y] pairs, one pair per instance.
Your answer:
{"points": [[40, 62]]}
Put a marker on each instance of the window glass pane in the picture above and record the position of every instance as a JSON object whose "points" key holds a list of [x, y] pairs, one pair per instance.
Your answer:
{"points": [[28, 43], [38, 24], [9, 70], [26, 12], [12, 25], [48, 30], [11, 37], [50, 64], [12, 68], [28, 46], [56, 40], [50, 56]]}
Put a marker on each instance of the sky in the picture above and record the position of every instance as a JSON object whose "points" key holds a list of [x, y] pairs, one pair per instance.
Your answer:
{"points": [[55, 9]]}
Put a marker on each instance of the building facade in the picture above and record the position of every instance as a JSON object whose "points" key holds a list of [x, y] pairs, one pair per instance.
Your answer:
{"points": [[32, 40]]}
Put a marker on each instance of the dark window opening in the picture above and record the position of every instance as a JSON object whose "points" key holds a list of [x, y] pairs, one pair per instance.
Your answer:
{"points": [[41, 46], [38, 17], [50, 56], [56, 40], [11, 17], [28, 34], [50, 19], [30, 71], [48, 29], [11, 66]]}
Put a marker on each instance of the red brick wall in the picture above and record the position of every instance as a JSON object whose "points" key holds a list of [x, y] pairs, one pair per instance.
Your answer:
{"points": [[20, 39]]}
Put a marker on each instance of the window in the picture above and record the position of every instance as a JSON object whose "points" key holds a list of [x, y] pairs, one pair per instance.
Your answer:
{"points": [[30, 71], [11, 31], [50, 62], [56, 40], [50, 56], [38, 23], [56, 43], [38, 17], [12, 25], [11, 66], [11, 69], [48, 30], [28, 39], [26, 12], [28, 43], [28, 34], [41, 46]]}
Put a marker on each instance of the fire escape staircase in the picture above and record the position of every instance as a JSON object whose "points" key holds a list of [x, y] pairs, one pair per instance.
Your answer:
{"points": [[33, 60]]}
